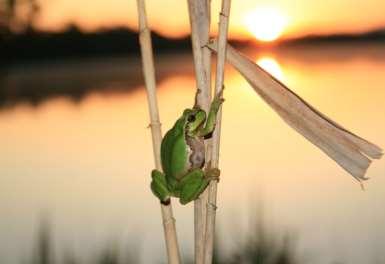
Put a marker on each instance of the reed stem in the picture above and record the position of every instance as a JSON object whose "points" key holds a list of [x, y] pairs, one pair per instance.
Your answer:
{"points": [[149, 78], [219, 84], [199, 14]]}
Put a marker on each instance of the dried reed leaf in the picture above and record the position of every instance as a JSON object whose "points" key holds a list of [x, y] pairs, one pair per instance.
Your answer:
{"points": [[351, 152]]}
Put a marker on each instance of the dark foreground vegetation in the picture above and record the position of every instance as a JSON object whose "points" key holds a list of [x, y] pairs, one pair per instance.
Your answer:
{"points": [[260, 247]]}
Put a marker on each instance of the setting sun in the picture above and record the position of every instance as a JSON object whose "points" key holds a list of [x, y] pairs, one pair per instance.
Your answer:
{"points": [[265, 23]]}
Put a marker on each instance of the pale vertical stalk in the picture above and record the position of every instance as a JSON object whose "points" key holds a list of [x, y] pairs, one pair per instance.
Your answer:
{"points": [[219, 80], [149, 77], [199, 13], [208, 144]]}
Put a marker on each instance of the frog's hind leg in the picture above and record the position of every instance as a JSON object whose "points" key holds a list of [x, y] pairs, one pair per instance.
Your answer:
{"points": [[192, 185], [159, 186]]}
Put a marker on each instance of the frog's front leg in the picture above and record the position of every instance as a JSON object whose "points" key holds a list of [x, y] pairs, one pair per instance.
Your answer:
{"points": [[194, 183], [159, 186], [208, 129]]}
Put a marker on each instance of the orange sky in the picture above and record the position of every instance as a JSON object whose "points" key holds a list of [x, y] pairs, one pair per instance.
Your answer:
{"points": [[170, 16]]}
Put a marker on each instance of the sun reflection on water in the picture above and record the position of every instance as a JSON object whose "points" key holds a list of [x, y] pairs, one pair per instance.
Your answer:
{"points": [[272, 66]]}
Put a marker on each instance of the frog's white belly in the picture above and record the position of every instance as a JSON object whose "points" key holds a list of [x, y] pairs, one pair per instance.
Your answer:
{"points": [[195, 153]]}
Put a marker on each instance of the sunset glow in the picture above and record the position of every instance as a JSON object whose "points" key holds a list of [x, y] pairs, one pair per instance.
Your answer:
{"points": [[248, 19], [266, 24]]}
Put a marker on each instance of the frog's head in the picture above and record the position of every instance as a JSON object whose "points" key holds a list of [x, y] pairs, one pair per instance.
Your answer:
{"points": [[194, 119]]}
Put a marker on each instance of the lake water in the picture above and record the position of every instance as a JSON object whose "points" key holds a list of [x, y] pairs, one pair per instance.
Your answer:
{"points": [[84, 161]]}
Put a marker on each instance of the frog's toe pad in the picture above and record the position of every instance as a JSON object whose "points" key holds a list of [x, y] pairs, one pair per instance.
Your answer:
{"points": [[213, 174], [159, 186], [160, 192], [166, 202]]}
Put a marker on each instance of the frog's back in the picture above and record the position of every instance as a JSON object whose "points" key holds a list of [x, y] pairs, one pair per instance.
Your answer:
{"points": [[173, 151]]}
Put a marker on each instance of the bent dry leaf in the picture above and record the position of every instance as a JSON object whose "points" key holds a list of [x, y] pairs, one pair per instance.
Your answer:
{"points": [[350, 151]]}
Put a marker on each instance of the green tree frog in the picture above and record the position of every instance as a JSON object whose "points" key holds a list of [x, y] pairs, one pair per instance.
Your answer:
{"points": [[183, 156]]}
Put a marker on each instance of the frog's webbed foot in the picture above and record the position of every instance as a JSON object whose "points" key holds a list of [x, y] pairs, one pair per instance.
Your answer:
{"points": [[212, 174], [196, 105], [218, 100], [159, 186]]}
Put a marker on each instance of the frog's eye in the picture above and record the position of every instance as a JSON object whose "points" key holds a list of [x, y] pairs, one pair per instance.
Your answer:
{"points": [[191, 118]]}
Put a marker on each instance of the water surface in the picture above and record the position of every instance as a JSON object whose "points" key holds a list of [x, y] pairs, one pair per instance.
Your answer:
{"points": [[83, 160]]}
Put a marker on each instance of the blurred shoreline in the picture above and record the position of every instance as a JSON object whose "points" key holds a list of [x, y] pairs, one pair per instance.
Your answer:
{"points": [[35, 81], [40, 46]]}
